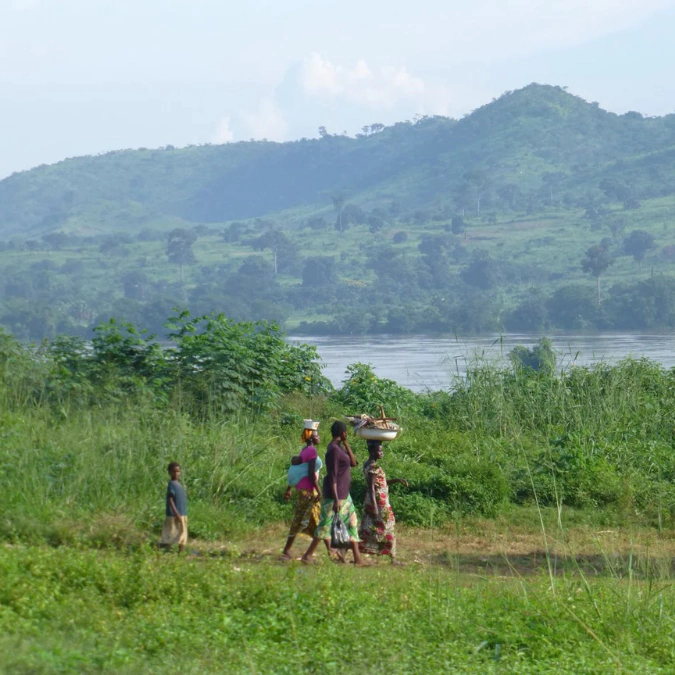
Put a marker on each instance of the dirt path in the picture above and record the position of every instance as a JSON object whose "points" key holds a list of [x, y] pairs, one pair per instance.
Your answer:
{"points": [[490, 548]]}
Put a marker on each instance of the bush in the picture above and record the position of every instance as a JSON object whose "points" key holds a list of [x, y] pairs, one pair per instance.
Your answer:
{"points": [[364, 392]]}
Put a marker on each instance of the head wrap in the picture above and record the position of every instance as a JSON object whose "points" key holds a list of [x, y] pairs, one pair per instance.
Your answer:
{"points": [[307, 434]]}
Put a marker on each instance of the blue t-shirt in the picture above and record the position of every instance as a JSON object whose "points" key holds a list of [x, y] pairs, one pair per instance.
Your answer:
{"points": [[177, 491]]}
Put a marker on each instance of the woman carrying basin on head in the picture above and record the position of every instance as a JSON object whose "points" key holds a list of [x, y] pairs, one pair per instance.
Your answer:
{"points": [[377, 527], [307, 508]]}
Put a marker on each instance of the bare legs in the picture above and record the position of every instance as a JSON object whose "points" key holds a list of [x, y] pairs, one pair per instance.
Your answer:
{"points": [[286, 555], [333, 553], [309, 554]]}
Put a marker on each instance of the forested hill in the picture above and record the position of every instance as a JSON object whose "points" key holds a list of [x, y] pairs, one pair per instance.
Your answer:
{"points": [[528, 147]]}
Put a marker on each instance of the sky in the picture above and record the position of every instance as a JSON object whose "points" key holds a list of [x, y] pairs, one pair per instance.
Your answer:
{"points": [[83, 77]]}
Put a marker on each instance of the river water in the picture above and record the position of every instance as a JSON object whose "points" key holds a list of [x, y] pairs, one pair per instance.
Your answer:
{"points": [[431, 362]]}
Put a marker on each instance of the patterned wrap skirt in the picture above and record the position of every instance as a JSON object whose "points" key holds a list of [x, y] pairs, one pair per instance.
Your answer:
{"points": [[347, 513], [305, 514], [377, 527]]}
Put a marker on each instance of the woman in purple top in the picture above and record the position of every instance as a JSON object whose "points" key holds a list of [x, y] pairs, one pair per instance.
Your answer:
{"points": [[307, 509], [337, 501]]}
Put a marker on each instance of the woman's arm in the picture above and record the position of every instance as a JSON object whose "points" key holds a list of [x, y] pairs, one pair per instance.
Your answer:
{"points": [[352, 459], [371, 490], [336, 501]]}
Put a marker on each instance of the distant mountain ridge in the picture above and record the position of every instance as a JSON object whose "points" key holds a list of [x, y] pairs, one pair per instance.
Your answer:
{"points": [[536, 143]]}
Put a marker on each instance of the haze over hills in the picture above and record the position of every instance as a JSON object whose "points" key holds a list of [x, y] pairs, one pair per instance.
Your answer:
{"points": [[538, 211], [509, 152]]}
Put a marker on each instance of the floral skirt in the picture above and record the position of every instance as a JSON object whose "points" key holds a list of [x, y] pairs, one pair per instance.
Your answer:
{"points": [[377, 531], [347, 513], [305, 514]]}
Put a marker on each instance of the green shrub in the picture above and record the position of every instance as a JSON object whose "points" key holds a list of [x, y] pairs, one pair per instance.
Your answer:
{"points": [[363, 392]]}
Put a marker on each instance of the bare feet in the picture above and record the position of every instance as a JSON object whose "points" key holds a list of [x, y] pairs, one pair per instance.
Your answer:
{"points": [[363, 563], [307, 561], [336, 555], [285, 557]]}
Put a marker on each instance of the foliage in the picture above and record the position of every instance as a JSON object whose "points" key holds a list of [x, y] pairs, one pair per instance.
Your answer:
{"points": [[596, 261], [71, 611], [637, 243], [224, 366], [458, 225], [482, 271], [363, 392], [214, 366], [179, 247], [541, 358]]}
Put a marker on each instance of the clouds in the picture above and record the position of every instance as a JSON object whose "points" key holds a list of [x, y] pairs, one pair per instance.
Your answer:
{"points": [[319, 78], [362, 86], [224, 133], [321, 88], [265, 122]]}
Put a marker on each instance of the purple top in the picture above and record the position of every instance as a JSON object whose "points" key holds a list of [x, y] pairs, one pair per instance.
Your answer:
{"points": [[306, 455], [339, 465]]}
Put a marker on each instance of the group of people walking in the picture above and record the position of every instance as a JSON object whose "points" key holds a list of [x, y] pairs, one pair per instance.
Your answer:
{"points": [[316, 506]]}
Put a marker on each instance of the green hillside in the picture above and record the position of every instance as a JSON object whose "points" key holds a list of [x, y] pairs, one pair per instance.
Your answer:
{"points": [[514, 140], [430, 225]]}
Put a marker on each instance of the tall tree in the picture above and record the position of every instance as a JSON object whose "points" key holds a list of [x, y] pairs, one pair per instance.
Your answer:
{"points": [[179, 248], [477, 182], [595, 262], [339, 201], [283, 251], [637, 243]]}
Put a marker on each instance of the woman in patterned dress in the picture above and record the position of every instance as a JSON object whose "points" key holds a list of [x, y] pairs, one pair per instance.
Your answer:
{"points": [[377, 527], [308, 495]]}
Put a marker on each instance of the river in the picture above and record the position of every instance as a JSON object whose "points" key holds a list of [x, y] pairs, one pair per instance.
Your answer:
{"points": [[420, 362]]}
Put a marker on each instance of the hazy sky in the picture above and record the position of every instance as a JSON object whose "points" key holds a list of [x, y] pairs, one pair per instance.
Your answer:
{"points": [[85, 76]]}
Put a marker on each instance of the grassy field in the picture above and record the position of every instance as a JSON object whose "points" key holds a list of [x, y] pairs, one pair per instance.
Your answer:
{"points": [[475, 598]]}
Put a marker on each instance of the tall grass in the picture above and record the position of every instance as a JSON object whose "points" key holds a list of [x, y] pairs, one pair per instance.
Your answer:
{"points": [[598, 438]]}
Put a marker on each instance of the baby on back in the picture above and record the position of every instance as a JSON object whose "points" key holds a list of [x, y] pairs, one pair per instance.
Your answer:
{"points": [[298, 472]]}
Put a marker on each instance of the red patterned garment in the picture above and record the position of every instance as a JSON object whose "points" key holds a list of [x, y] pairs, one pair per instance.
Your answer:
{"points": [[377, 527]]}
